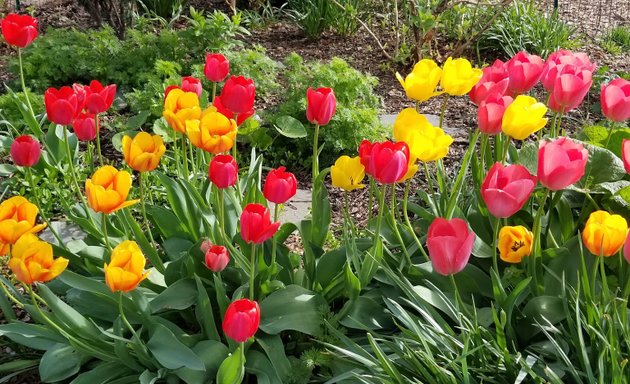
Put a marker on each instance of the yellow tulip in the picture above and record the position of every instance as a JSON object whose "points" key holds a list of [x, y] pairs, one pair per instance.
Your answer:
{"points": [[458, 77], [514, 243], [107, 190], [214, 133], [32, 260], [604, 234], [412, 169], [17, 217], [347, 173], [420, 84], [426, 142], [143, 152], [126, 268], [523, 117], [180, 107]]}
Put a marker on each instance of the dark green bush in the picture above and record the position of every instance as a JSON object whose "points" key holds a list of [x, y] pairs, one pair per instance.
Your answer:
{"points": [[356, 117]]}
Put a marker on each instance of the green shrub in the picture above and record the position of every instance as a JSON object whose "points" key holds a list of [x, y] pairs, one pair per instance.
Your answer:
{"points": [[356, 117], [311, 16], [523, 27], [617, 40], [10, 113]]}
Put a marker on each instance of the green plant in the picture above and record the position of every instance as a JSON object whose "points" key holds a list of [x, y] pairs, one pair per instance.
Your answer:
{"points": [[617, 40], [356, 117], [311, 15], [523, 27], [344, 19]]}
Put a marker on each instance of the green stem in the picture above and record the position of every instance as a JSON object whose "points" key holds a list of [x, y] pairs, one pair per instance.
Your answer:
{"points": [[459, 303], [408, 222], [104, 228], [602, 271], [370, 198], [315, 154], [98, 139], [495, 242], [461, 175], [214, 92], [443, 111], [536, 246], [252, 273], [143, 207], [31, 181], [222, 214], [28, 101], [506, 146], [484, 148], [558, 123], [10, 296], [553, 125], [610, 131], [441, 177], [73, 175], [276, 213], [185, 158], [90, 150], [124, 318], [379, 218], [429, 179], [396, 230]]}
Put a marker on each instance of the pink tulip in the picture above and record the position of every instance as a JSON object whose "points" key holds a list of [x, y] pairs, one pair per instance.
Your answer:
{"points": [[525, 71], [506, 189], [388, 162], [561, 162], [557, 60], [450, 244], [490, 113], [626, 249], [570, 88], [192, 84], [625, 154], [494, 81], [84, 127], [321, 105], [615, 100]]}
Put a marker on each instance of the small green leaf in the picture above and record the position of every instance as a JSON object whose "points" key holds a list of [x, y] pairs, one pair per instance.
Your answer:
{"points": [[135, 122], [170, 352], [232, 370], [181, 295], [293, 308], [59, 363], [290, 127]]}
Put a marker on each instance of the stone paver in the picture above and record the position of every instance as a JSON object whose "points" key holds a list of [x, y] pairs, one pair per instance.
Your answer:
{"points": [[296, 209]]}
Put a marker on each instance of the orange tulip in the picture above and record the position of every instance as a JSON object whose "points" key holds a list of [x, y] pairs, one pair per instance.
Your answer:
{"points": [[126, 268], [180, 107], [604, 234], [107, 190], [32, 260], [214, 133], [143, 152], [17, 217]]}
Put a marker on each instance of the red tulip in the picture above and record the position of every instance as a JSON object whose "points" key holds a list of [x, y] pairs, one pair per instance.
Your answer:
{"points": [[280, 186], [98, 99], [494, 81], [241, 320], [19, 30], [626, 248], [557, 60], [223, 171], [238, 94], [365, 152], [218, 104], [192, 84], [168, 89], [388, 162], [217, 67], [80, 91], [256, 225], [84, 126], [506, 189], [321, 105], [625, 154], [25, 151], [450, 244], [561, 162], [217, 258], [490, 113], [61, 105], [525, 70], [615, 100], [570, 88]]}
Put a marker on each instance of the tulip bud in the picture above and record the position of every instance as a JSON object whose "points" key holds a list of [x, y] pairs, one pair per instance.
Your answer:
{"points": [[514, 243], [214, 133], [420, 84], [523, 117], [126, 268], [240, 119], [223, 171], [238, 94], [19, 30], [458, 76], [490, 113], [279, 186], [107, 190], [84, 126], [217, 258], [192, 84], [525, 70], [570, 87], [241, 320], [450, 244], [321, 105], [17, 217], [99, 99], [32, 260], [217, 67], [143, 152], [256, 225], [604, 234], [494, 81], [561, 162], [558, 60], [615, 100], [388, 162], [180, 107], [25, 151], [426, 142], [62, 105], [347, 173], [506, 189]]}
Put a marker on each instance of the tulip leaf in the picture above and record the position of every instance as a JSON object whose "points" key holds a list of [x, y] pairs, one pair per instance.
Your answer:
{"points": [[137, 121], [232, 370], [274, 348], [290, 127], [31, 121], [543, 310], [366, 314], [117, 138], [212, 353], [161, 128], [292, 308], [31, 335], [204, 313], [59, 363], [170, 352], [601, 159], [101, 374], [259, 365], [528, 157], [181, 295], [68, 315]]}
